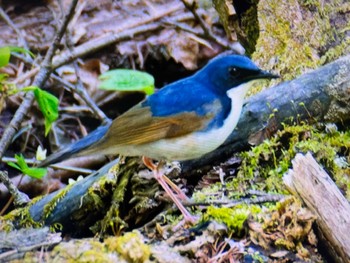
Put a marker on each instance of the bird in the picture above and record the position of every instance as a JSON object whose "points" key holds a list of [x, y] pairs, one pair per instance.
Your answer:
{"points": [[182, 121]]}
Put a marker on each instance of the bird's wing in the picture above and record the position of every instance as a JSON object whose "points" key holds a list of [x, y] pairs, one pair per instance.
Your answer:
{"points": [[176, 110], [138, 126]]}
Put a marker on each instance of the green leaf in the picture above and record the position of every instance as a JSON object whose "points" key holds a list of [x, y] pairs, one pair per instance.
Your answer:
{"points": [[20, 50], [127, 80], [37, 173], [22, 166], [21, 162], [14, 165], [48, 105], [5, 54]]}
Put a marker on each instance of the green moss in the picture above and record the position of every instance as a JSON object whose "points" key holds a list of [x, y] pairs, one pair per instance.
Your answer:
{"points": [[113, 221], [49, 207], [84, 250], [250, 27], [296, 36], [130, 246], [208, 194], [234, 218], [337, 51], [22, 218], [264, 165]]}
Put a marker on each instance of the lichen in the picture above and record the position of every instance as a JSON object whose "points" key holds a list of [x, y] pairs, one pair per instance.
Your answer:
{"points": [[297, 36], [20, 217], [118, 181], [264, 165], [130, 246]]}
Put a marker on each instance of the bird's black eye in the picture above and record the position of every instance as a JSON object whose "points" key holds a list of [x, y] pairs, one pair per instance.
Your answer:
{"points": [[234, 71]]}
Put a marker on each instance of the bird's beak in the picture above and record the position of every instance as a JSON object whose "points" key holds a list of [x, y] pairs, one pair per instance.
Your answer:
{"points": [[266, 75]]}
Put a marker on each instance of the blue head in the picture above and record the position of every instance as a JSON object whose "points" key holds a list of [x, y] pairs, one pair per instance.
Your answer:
{"points": [[228, 71]]}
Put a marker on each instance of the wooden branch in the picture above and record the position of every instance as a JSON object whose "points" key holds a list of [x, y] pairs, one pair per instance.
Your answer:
{"points": [[121, 34], [13, 245], [322, 95], [314, 186], [7, 19]]}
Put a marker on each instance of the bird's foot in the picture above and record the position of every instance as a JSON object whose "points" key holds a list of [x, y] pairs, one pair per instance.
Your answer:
{"points": [[167, 185]]}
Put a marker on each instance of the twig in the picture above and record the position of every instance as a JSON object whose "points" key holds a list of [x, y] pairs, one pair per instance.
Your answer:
{"points": [[125, 32], [79, 88], [53, 166], [207, 32], [8, 20], [231, 203], [39, 80], [192, 8], [83, 95], [19, 197], [97, 44]]}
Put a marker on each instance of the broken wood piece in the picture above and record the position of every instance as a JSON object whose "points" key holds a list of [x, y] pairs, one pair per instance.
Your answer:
{"points": [[314, 186]]}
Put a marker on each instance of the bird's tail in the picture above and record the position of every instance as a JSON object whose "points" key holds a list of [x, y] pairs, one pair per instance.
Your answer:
{"points": [[75, 148]]}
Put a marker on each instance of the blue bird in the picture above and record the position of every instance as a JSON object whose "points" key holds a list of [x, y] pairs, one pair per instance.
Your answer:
{"points": [[183, 121]]}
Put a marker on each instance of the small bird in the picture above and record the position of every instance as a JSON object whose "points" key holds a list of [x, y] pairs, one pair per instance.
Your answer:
{"points": [[182, 121]]}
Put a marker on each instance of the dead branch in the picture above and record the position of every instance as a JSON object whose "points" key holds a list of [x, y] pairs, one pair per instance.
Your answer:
{"points": [[8, 20], [81, 92], [314, 186], [17, 242]]}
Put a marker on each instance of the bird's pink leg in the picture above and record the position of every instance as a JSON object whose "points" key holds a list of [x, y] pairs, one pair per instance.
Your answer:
{"points": [[159, 176]]}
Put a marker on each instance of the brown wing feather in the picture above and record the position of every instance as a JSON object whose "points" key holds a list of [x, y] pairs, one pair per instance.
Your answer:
{"points": [[137, 126]]}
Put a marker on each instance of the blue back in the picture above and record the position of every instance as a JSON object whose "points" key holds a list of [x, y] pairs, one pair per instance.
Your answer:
{"points": [[197, 93]]}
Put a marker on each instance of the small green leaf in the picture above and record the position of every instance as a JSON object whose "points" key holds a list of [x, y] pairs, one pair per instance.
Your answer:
{"points": [[48, 105], [20, 50], [36, 173], [5, 54], [14, 165], [21, 162], [127, 80], [22, 166]]}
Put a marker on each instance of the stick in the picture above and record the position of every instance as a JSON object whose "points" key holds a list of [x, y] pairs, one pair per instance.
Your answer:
{"points": [[314, 186]]}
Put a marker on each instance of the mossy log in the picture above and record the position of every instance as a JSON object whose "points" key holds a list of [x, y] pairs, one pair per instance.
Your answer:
{"points": [[314, 186], [111, 199], [319, 96], [322, 95]]}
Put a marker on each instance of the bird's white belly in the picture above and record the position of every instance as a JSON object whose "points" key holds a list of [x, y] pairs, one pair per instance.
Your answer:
{"points": [[194, 145]]}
